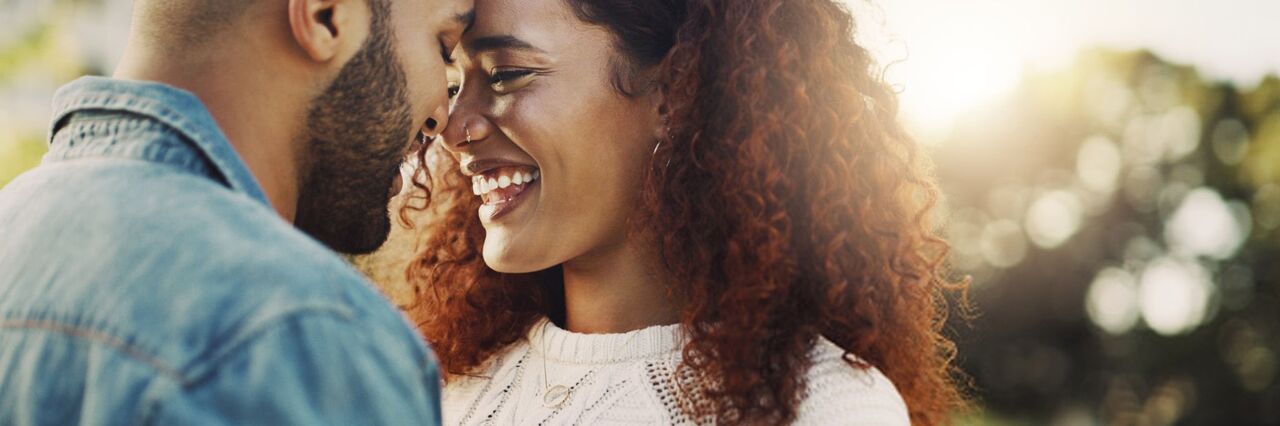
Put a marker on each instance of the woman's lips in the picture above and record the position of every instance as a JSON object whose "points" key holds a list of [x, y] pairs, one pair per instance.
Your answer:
{"points": [[500, 189]]}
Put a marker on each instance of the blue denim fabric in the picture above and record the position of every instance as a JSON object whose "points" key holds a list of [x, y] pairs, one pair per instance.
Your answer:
{"points": [[145, 280]]}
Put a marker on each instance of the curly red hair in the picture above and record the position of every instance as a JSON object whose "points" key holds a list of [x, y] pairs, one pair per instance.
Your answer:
{"points": [[787, 202]]}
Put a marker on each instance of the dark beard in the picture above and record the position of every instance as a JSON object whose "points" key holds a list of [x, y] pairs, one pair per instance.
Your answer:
{"points": [[355, 140]]}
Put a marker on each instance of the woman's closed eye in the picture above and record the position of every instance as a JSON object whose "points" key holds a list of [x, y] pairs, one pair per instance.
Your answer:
{"points": [[508, 80]]}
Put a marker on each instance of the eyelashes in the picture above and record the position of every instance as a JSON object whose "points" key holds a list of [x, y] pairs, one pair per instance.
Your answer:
{"points": [[503, 76], [507, 81], [502, 81]]}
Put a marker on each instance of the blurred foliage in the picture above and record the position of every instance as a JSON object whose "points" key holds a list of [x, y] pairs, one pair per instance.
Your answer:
{"points": [[48, 43], [1120, 221], [42, 45], [19, 156]]}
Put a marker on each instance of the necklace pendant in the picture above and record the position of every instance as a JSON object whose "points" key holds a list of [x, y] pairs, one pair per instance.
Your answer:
{"points": [[555, 396]]}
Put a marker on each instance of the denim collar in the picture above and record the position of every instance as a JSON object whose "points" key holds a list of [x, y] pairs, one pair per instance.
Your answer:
{"points": [[172, 107]]}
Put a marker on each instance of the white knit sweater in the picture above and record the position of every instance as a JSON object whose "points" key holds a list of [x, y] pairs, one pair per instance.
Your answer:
{"points": [[627, 379]]}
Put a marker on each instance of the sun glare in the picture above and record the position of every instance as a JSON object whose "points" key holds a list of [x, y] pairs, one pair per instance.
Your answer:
{"points": [[943, 61], [941, 86]]}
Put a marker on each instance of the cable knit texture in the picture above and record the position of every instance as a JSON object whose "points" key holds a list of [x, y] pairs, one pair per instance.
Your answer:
{"points": [[629, 379]]}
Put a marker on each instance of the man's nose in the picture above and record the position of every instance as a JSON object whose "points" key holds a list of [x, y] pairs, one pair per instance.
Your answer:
{"points": [[437, 122]]}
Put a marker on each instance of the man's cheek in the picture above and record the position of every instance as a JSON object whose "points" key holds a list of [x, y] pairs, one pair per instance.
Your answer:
{"points": [[432, 91], [421, 78]]}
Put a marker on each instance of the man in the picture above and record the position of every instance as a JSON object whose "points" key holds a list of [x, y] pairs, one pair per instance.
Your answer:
{"points": [[152, 270]]}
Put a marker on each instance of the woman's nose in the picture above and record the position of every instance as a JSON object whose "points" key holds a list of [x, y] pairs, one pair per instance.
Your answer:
{"points": [[464, 131]]}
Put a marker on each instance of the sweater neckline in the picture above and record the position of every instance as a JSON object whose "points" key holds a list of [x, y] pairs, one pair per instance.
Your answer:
{"points": [[557, 344]]}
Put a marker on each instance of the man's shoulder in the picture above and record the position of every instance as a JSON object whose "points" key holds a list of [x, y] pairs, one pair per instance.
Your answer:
{"points": [[172, 263], [146, 211]]}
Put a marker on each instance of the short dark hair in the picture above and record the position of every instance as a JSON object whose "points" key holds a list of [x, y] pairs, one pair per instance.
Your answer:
{"points": [[183, 24], [186, 24]]}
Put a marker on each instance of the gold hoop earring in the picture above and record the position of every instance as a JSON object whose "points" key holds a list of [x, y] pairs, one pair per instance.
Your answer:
{"points": [[655, 154]]}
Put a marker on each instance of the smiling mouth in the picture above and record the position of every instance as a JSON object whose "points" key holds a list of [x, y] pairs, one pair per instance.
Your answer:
{"points": [[503, 185]]}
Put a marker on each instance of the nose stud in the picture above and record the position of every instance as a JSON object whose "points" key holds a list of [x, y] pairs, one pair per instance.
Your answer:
{"points": [[467, 131]]}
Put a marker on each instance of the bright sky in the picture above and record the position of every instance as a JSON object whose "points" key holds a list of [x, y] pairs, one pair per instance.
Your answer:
{"points": [[955, 54], [958, 54]]}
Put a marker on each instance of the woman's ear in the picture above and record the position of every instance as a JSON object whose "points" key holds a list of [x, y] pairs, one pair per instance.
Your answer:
{"points": [[328, 30], [658, 110]]}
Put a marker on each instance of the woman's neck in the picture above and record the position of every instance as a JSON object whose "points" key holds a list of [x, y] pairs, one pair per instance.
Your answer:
{"points": [[616, 290]]}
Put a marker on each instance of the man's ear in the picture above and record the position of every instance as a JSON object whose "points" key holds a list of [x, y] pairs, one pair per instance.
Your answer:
{"points": [[326, 30]]}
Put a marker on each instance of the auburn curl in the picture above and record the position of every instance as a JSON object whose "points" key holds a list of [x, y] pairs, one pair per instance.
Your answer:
{"points": [[786, 200]]}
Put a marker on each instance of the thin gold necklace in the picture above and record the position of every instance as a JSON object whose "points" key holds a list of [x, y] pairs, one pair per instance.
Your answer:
{"points": [[553, 396]]}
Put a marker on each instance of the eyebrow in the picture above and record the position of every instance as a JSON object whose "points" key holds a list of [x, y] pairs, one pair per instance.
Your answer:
{"points": [[467, 19], [498, 42]]}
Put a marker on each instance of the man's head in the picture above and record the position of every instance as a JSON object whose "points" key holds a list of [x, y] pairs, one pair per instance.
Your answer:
{"points": [[373, 78]]}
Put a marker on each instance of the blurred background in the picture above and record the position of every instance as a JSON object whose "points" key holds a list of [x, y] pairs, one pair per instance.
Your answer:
{"points": [[1112, 181]]}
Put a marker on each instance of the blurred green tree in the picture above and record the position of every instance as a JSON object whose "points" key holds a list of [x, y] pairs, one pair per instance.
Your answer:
{"points": [[1120, 219]]}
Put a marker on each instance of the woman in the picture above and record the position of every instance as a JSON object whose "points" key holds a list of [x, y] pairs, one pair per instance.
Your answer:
{"points": [[679, 211]]}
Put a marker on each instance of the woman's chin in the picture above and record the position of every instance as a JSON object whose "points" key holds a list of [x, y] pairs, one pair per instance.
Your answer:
{"points": [[507, 259]]}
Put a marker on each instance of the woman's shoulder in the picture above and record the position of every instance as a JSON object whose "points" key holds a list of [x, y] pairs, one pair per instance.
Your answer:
{"points": [[837, 392]]}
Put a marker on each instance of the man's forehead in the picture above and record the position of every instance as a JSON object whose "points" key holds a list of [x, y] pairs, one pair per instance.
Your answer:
{"points": [[455, 8], [466, 17], [450, 11]]}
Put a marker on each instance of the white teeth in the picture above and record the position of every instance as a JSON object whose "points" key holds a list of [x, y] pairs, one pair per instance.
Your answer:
{"points": [[481, 185]]}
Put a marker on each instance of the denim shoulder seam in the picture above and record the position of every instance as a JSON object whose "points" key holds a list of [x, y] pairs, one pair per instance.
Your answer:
{"points": [[205, 364], [128, 350], [153, 402]]}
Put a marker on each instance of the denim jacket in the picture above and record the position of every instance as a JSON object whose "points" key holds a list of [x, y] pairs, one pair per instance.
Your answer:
{"points": [[144, 279]]}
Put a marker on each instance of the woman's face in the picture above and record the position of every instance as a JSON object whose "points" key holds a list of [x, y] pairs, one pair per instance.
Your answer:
{"points": [[554, 151]]}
